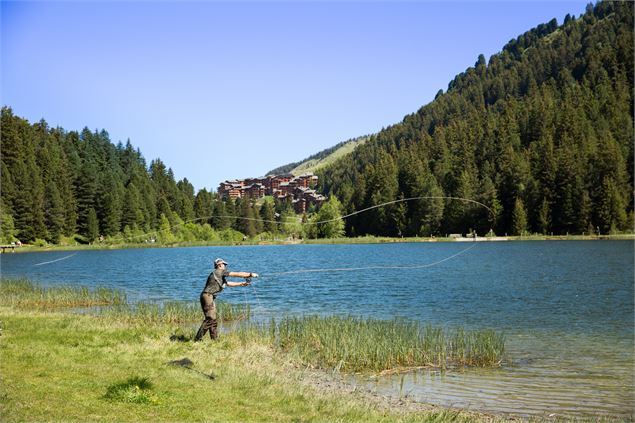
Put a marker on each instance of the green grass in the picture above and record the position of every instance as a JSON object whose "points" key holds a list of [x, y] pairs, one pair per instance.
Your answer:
{"points": [[174, 312], [62, 366], [347, 344], [134, 390], [110, 304], [351, 240], [314, 164], [66, 367], [23, 293], [352, 344]]}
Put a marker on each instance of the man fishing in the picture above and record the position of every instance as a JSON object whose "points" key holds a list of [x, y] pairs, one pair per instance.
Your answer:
{"points": [[216, 282]]}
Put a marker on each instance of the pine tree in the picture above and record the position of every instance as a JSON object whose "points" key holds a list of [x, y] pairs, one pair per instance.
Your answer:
{"points": [[92, 225], [267, 213], [110, 204], [7, 227], [53, 213], [132, 215], [185, 203], [203, 206], [611, 210], [246, 222], [259, 225], [519, 218], [544, 217]]}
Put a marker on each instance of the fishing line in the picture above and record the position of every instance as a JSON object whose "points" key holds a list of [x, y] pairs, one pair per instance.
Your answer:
{"points": [[403, 200], [53, 261], [298, 220], [350, 269], [258, 299]]}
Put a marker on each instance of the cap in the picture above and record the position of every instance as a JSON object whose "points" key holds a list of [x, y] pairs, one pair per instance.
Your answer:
{"points": [[219, 261]]}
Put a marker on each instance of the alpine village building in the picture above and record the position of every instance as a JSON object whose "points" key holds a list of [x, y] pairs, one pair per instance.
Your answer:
{"points": [[300, 189]]}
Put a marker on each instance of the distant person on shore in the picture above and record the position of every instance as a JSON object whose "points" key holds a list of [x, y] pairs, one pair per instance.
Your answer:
{"points": [[216, 282]]}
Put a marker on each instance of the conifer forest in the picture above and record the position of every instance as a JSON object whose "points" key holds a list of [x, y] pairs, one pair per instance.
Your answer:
{"points": [[542, 133]]}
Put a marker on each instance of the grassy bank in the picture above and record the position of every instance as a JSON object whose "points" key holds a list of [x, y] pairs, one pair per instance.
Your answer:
{"points": [[22, 293], [351, 240], [62, 367], [138, 363], [109, 304], [115, 365], [351, 344]]}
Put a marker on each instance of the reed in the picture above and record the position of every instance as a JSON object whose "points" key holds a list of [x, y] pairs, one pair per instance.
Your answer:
{"points": [[173, 312], [22, 293], [354, 344], [110, 303]]}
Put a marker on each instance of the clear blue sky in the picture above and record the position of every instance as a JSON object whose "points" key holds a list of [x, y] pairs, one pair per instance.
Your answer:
{"points": [[223, 90]]}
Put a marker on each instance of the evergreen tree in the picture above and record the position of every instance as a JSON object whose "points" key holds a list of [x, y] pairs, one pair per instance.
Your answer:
{"points": [[86, 188], [519, 218], [267, 213], [220, 219], [132, 214], [109, 203], [610, 212], [7, 227], [92, 225], [259, 225], [53, 213], [246, 222], [203, 206], [548, 120], [185, 202], [544, 217]]}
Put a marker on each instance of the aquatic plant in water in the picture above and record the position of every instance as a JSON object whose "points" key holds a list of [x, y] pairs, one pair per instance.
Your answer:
{"points": [[354, 344], [23, 293], [174, 312], [110, 303]]}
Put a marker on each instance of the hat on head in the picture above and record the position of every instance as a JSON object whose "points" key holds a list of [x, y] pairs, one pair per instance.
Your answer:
{"points": [[220, 261]]}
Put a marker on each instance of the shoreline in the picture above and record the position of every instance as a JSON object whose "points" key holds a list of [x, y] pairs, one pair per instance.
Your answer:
{"points": [[82, 357], [26, 248], [85, 356]]}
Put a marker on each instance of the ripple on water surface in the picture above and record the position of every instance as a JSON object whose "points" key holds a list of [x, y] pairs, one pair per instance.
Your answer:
{"points": [[566, 307]]}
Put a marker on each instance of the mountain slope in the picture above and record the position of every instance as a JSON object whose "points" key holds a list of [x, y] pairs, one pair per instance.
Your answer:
{"points": [[321, 159], [542, 134]]}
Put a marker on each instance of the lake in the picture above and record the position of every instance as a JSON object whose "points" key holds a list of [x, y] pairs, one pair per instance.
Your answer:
{"points": [[566, 307]]}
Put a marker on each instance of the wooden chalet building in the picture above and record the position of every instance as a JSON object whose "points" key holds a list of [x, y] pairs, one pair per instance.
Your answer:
{"points": [[299, 188]]}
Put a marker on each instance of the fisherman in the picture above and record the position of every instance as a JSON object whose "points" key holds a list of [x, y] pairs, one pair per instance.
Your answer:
{"points": [[216, 282]]}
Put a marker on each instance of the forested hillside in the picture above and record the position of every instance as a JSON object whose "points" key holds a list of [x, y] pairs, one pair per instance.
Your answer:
{"points": [[542, 134], [59, 184]]}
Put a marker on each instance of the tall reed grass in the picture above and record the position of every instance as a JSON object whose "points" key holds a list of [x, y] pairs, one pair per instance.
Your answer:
{"points": [[348, 344], [354, 344], [110, 303], [174, 312], [22, 293]]}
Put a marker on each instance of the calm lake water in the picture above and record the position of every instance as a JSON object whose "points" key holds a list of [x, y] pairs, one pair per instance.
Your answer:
{"points": [[566, 307]]}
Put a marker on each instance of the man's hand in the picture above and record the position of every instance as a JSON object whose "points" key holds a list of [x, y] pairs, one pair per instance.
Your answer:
{"points": [[253, 275], [245, 283]]}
